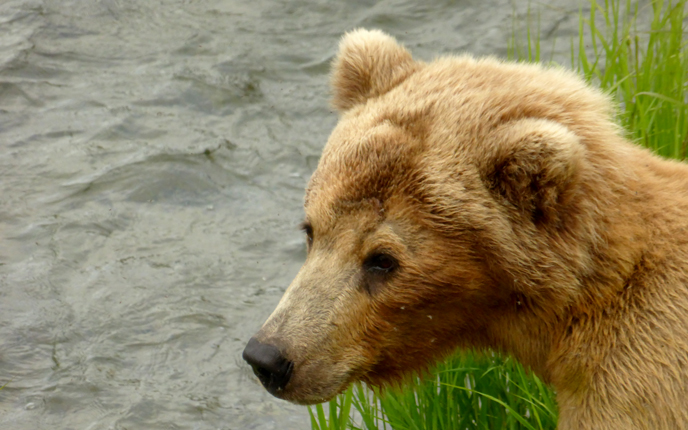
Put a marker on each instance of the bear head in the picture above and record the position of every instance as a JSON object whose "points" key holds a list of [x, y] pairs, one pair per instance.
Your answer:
{"points": [[451, 207]]}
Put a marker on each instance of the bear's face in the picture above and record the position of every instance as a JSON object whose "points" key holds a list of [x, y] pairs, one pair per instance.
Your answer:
{"points": [[445, 207], [374, 299]]}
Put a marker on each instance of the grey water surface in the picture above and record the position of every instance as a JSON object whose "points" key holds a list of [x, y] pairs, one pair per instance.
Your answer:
{"points": [[153, 156]]}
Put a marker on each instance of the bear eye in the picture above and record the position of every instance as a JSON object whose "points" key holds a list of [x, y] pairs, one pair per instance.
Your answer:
{"points": [[380, 263], [308, 229]]}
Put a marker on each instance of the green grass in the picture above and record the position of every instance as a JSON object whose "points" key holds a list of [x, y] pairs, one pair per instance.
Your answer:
{"points": [[646, 71], [467, 391], [638, 55]]}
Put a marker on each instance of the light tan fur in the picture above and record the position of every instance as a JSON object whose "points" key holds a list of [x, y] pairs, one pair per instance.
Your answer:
{"points": [[521, 221]]}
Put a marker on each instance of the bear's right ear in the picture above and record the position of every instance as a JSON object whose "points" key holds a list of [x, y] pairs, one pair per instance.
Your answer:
{"points": [[369, 63]]}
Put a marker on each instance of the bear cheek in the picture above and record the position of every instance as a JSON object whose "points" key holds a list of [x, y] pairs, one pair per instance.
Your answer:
{"points": [[421, 320]]}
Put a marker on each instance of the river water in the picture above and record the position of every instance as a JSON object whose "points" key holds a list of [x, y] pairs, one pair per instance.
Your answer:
{"points": [[153, 156]]}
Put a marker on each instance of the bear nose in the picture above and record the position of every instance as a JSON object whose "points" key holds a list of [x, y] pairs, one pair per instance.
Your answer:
{"points": [[268, 364]]}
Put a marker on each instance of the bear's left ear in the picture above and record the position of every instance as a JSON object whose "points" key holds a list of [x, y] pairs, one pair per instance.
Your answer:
{"points": [[534, 164], [368, 64]]}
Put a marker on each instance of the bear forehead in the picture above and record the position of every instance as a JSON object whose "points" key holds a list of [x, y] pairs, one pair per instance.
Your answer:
{"points": [[368, 167]]}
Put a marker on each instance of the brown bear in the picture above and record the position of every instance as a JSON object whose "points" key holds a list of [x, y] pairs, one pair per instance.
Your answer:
{"points": [[477, 203]]}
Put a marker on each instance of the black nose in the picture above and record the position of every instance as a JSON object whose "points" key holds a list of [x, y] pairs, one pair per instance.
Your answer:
{"points": [[268, 364]]}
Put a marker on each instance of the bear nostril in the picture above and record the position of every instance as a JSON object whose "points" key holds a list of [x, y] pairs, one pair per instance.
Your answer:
{"points": [[261, 372], [270, 366]]}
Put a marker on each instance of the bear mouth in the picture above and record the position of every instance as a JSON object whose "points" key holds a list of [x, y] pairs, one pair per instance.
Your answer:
{"points": [[317, 386]]}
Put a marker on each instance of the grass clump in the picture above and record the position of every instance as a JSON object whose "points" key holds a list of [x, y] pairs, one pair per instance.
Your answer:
{"points": [[638, 55], [646, 71], [467, 391]]}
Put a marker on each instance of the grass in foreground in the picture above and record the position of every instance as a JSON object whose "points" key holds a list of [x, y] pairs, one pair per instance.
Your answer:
{"points": [[467, 391], [647, 73]]}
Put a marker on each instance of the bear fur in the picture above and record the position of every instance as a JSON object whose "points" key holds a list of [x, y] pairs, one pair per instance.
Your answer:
{"points": [[479, 203]]}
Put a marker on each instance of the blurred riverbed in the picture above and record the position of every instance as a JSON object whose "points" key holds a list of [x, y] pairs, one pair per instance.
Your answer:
{"points": [[153, 156]]}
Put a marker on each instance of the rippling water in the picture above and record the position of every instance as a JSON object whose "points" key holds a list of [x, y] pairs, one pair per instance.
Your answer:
{"points": [[153, 157]]}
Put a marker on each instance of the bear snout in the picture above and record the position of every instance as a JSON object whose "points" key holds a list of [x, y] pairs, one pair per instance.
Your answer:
{"points": [[270, 366]]}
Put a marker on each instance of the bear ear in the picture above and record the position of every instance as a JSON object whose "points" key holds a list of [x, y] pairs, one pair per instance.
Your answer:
{"points": [[535, 165], [368, 64]]}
